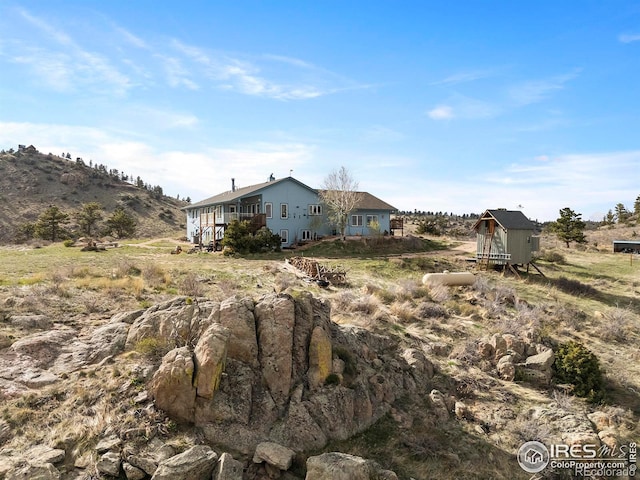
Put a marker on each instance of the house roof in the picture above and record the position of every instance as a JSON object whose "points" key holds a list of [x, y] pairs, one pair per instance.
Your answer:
{"points": [[508, 219], [238, 193], [366, 202], [371, 202]]}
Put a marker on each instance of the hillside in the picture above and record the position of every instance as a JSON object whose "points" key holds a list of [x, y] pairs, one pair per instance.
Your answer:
{"points": [[31, 181]]}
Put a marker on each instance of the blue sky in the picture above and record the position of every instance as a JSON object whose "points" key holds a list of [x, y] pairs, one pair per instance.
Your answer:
{"points": [[442, 106]]}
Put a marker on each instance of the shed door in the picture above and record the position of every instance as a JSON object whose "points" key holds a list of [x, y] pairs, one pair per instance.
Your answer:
{"points": [[491, 226]]}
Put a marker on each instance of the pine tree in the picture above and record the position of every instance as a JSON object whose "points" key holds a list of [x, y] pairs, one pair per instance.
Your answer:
{"points": [[621, 213], [121, 223], [89, 215], [636, 206], [50, 224], [569, 227]]}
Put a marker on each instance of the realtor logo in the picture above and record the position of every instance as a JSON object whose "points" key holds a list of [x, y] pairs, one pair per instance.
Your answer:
{"points": [[533, 457]]}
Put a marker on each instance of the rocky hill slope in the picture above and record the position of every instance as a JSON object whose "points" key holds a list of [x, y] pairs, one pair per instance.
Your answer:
{"points": [[31, 181]]}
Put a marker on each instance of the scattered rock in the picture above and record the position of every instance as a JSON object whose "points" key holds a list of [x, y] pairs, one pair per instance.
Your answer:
{"points": [[41, 322], [228, 468], [541, 362], [499, 345], [274, 454], [342, 466], [439, 405], [110, 464], [133, 473], [506, 368], [43, 454], [29, 471], [107, 444], [197, 463]]}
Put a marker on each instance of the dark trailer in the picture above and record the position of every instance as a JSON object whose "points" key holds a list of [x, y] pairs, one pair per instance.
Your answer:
{"points": [[626, 246]]}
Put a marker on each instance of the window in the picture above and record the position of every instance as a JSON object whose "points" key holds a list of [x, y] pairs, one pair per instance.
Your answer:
{"points": [[371, 219], [315, 210], [268, 210], [356, 220], [284, 210], [284, 236], [306, 235]]}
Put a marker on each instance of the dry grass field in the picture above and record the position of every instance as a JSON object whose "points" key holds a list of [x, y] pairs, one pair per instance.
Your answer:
{"points": [[587, 295]]}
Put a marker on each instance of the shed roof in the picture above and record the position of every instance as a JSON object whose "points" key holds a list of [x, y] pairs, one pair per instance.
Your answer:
{"points": [[508, 219]]}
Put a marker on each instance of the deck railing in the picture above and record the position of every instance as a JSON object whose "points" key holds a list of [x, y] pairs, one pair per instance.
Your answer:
{"points": [[213, 218]]}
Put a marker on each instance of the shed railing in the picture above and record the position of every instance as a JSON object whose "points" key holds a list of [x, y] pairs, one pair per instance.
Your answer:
{"points": [[499, 258]]}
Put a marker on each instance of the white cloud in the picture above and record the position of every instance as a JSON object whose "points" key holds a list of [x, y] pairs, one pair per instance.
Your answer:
{"points": [[177, 75], [441, 112], [628, 38], [463, 77], [535, 91], [249, 78], [64, 65]]}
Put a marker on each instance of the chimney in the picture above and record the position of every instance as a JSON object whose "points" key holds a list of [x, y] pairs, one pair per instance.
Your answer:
{"points": [[233, 184]]}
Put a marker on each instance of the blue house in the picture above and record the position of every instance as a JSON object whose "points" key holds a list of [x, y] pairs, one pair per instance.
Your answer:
{"points": [[285, 206]]}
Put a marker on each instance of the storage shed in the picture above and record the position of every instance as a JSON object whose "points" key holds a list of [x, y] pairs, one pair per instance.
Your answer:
{"points": [[626, 246], [505, 237]]}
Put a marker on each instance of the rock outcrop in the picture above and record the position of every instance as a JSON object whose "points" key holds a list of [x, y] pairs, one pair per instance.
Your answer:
{"points": [[260, 371]]}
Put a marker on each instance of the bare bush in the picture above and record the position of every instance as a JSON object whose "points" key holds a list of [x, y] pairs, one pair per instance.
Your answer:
{"points": [[482, 285], [155, 276], [530, 429], [505, 295], [284, 281], [617, 325], [552, 256], [192, 286], [575, 287], [439, 293], [411, 289], [467, 352], [403, 311], [431, 310], [563, 400]]}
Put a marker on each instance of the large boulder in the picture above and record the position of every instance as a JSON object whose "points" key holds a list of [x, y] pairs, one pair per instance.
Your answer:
{"points": [[210, 357], [320, 357], [176, 322], [41, 349], [237, 315], [172, 384], [275, 316]]}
